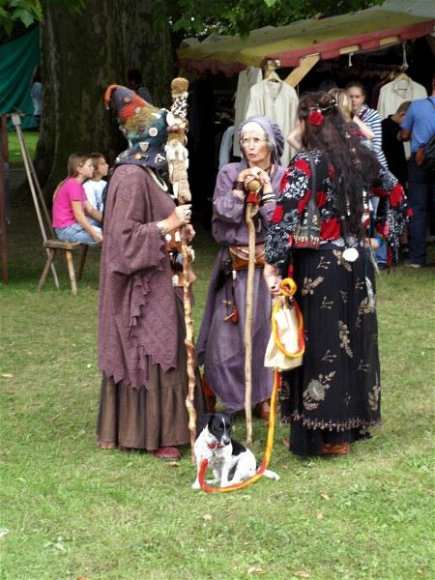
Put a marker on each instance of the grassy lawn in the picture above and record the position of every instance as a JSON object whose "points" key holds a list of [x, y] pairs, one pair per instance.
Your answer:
{"points": [[31, 139], [70, 510]]}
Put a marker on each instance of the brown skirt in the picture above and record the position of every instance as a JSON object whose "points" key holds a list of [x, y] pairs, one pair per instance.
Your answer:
{"points": [[152, 415]]}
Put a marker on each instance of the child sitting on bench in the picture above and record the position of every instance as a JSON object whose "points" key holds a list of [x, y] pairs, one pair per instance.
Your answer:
{"points": [[71, 207]]}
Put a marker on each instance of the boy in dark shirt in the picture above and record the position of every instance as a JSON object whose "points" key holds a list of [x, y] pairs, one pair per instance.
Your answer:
{"points": [[393, 148]]}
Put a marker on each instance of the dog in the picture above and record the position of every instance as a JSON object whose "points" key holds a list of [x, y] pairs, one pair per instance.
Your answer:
{"points": [[230, 461]]}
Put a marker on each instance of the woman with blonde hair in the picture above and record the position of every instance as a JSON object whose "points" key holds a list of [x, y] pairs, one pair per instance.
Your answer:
{"points": [[345, 107]]}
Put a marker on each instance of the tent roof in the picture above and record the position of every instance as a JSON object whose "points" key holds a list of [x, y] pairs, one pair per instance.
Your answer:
{"points": [[366, 30]]}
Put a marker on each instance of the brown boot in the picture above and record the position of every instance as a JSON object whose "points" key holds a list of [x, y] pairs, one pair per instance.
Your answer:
{"points": [[262, 410], [336, 449]]}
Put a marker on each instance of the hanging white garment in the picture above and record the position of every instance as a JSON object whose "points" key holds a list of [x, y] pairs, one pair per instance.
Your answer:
{"points": [[278, 101], [225, 146], [396, 92], [246, 79]]}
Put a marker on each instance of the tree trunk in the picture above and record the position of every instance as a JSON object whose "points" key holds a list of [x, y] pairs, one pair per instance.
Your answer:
{"points": [[81, 55]]}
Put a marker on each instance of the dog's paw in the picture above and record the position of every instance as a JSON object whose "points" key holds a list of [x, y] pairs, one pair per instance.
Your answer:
{"points": [[211, 481], [272, 475], [196, 485]]}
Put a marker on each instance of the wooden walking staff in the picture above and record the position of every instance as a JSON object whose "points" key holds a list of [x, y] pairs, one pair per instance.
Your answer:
{"points": [[252, 201], [177, 156]]}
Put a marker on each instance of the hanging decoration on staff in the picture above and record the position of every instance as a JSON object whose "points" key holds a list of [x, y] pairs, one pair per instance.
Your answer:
{"points": [[178, 162]]}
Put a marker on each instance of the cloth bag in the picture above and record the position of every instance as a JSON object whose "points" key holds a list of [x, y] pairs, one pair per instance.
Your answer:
{"points": [[286, 344], [307, 234]]}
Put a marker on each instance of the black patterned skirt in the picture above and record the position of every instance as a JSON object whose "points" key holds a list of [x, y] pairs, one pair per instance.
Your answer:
{"points": [[334, 397]]}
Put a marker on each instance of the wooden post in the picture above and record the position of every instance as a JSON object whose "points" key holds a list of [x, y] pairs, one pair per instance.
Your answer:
{"points": [[305, 65]]}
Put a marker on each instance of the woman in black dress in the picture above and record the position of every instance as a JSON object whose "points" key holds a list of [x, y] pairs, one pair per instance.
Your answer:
{"points": [[333, 399]]}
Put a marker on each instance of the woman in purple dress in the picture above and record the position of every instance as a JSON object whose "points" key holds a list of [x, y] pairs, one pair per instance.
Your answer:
{"points": [[141, 326], [220, 345]]}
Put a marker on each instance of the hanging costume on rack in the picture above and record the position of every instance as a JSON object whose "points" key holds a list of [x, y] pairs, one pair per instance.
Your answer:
{"points": [[277, 100], [225, 146], [246, 79], [396, 92]]}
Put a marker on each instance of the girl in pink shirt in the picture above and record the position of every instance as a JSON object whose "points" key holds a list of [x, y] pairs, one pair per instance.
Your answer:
{"points": [[71, 207]]}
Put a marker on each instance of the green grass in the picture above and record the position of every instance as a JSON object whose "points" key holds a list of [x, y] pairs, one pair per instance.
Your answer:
{"points": [[71, 510], [31, 140]]}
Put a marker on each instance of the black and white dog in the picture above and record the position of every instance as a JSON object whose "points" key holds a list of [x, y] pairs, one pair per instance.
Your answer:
{"points": [[230, 461]]}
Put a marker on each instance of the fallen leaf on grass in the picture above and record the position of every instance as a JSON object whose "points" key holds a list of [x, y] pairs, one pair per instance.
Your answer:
{"points": [[173, 464], [320, 516], [7, 376], [324, 495], [207, 517], [3, 532], [301, 574], [255, 570]]}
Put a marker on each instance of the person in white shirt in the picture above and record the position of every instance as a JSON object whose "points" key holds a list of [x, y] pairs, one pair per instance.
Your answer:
{"points": [[94, 188]]}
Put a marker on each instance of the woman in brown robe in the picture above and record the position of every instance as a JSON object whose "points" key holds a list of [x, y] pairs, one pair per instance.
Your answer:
{"points": [[141, 327]]}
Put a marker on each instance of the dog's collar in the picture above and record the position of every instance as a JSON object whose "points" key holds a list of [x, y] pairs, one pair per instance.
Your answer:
{"points": [[215, 445]]}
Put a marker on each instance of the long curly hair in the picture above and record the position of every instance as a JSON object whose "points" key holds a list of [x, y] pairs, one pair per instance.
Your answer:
{"points": [[355, 166]]}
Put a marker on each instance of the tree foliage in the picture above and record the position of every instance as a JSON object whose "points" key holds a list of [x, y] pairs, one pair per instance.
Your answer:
{"points": [[16, 15], [89, 44], [198, 17]]}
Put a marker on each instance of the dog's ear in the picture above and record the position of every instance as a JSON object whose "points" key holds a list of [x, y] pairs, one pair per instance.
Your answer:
{"points": [[204, 420]]}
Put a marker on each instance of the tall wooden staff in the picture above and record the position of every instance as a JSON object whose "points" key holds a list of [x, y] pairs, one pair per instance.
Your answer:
{"points": [[252, 201], [177, 156]]}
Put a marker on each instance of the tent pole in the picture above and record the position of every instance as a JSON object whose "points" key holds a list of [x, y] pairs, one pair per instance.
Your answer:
{"points": [[15, 117]]}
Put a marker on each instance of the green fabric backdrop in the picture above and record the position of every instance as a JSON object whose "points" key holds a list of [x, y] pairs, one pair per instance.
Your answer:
{"points": [[18, 59]]}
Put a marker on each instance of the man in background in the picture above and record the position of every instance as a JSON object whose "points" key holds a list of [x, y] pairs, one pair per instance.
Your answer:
{"points": [[419, 127]]}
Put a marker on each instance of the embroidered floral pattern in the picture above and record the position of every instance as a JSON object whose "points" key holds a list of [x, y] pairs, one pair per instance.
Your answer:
{"points": [[316, 391], [329, 356], [343, 333], [328, 304], [343, 296], [364, 367], [295, 187], [374, 397], [340, 260], [323, 263], [310, 284], [366, 306]]}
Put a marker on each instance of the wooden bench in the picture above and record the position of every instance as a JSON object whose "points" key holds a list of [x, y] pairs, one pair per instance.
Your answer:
{"points": [[52, 246]]}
